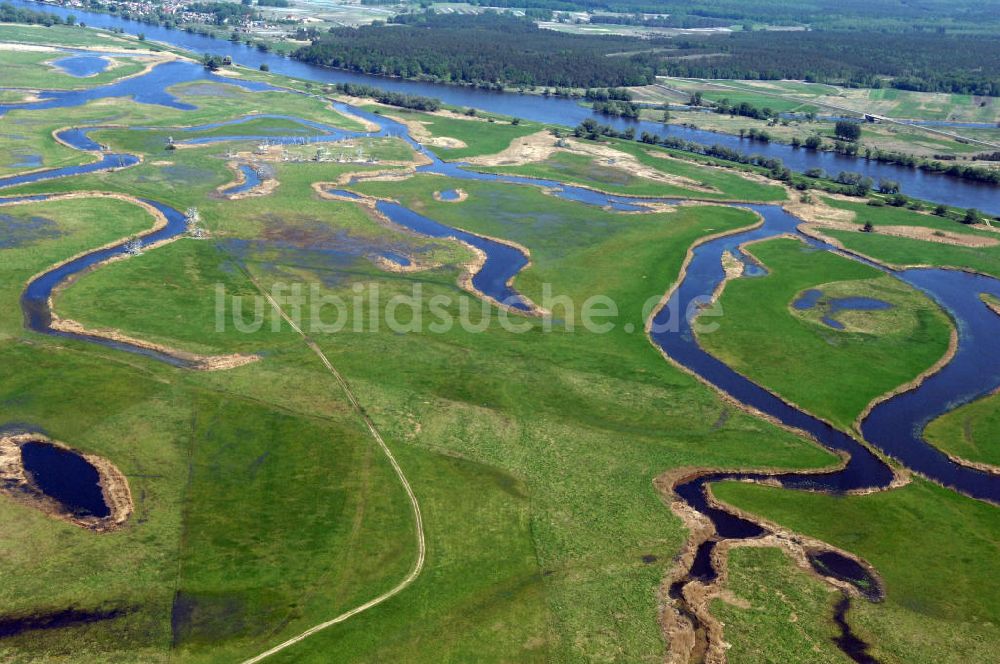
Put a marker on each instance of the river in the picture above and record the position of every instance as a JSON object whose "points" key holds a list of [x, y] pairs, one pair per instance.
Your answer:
{"points": [[934, 187]]}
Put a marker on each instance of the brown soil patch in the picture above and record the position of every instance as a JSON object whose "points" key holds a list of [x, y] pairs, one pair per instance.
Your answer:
{"points": [[16, 483], [418, 130], [367, 124], [732, 265], [820, 216], [193, 360], [522, 150], [541, 145], [817, 212]]}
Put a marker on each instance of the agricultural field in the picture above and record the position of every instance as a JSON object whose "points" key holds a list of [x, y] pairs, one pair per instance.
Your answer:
{"points": [[902, 104], [967, 116], [350, 393]]}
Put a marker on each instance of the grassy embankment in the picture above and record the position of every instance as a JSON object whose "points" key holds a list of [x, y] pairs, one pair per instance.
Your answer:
{"points": [[831, 373], [970, 432], [907, 251], [70, 37], [596, 173], [478, 137]]}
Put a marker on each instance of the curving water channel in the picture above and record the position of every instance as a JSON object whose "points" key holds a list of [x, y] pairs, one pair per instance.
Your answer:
{"points": [[936, 187], [894, 427]]}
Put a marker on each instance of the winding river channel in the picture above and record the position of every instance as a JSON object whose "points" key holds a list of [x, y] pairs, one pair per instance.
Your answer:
{"points": [[928, 186], [893, 428]]}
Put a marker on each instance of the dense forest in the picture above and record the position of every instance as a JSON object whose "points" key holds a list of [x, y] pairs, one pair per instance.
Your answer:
{"points": [[487, 50], [494, 50], [865, 15], [929, 62]]}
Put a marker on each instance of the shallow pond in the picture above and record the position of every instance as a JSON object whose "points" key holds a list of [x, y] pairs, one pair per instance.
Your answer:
{"points": [[82, 66], [813, 297], [66, 476]]}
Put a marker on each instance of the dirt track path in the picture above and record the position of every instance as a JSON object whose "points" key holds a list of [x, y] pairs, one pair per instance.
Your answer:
{"points": [[418, 519]]}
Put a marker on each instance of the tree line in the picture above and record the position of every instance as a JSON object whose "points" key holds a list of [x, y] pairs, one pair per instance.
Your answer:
{"points": [[11, 14], [415, 102], [487, 50], [928, 62]]}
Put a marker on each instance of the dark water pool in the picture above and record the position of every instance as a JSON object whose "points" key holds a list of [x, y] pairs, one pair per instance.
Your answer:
{"points": [[66, 476]]}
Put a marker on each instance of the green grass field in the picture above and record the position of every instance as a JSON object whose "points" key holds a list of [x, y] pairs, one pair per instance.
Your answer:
{"points": [[264, 506], [776, 612], [764, 337], [32, 69], [936, 607], [906, 251], [970, 432]]}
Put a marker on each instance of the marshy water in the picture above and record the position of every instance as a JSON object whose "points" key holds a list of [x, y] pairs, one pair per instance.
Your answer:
{"points": [[812, 298]]}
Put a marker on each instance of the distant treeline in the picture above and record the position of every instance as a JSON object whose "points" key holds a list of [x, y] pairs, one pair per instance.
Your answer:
{"points": [[926, 62], [11, 14], [487, 50], [671, 21], [865, 15], [399, 99]]}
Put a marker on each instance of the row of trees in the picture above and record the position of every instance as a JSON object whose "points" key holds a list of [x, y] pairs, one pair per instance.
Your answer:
{"points": [[11, 14], [415, 102]]}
